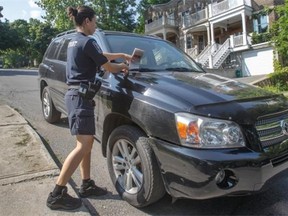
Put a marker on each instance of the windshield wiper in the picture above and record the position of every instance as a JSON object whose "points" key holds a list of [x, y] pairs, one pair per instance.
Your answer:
{"points": [[181, 69], [143, 69]]}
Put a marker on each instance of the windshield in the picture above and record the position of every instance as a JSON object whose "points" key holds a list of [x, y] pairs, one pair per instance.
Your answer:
{"points": [[159, 55]]}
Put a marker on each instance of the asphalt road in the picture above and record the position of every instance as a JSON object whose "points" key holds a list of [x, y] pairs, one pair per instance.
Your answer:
{"points": [[19, 89]]}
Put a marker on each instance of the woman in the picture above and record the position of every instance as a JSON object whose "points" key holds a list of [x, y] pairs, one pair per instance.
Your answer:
{"points": [[84, 58]]}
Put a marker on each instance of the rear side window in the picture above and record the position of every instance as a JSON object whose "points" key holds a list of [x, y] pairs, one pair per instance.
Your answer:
{"points": [[53, 49], [63, 51]]}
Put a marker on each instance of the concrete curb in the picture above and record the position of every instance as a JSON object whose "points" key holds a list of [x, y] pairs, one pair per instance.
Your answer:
{"points": [[25, 157], [27, 170]]}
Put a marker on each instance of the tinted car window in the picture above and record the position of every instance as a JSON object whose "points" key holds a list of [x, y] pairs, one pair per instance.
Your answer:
{"points": [[158, 54], [63, 51], [53, 48]]}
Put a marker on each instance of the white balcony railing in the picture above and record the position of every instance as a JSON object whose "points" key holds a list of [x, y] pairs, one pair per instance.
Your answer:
{"points": [[224, 6], [171, 22], [153, 25], [238, 40], [162, 21], [192, 19]]}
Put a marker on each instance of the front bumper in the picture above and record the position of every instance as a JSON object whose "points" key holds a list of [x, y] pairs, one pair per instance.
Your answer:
{"points": [[191, 173]]}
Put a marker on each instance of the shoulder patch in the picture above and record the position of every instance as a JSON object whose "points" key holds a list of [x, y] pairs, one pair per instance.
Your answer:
{"points": [[72, 43]]}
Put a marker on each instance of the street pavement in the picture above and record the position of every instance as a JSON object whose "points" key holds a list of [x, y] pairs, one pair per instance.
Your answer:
{"points": [[27, 171]]}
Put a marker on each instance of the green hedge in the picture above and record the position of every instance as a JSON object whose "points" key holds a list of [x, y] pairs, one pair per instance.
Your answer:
{"points": [[279, 78]]}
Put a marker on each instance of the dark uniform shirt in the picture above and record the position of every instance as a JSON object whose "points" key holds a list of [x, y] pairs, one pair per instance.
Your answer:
{"points": [[84, 59]]}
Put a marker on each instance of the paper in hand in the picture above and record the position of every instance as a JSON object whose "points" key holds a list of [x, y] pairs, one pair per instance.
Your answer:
{"points": [[136, 58]]}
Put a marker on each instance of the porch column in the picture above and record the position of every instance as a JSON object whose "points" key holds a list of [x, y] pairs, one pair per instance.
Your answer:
{"points": [[208, 34], [212, 33], [185, 41], [164, 34], [244, 28], [212, 43], [164, 18]]}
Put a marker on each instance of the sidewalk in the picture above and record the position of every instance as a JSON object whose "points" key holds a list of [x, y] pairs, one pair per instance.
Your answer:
{"points": [[27, 171]]}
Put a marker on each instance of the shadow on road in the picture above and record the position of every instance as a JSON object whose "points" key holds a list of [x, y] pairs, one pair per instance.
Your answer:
{"points": [[17, 72], [264, 203]]}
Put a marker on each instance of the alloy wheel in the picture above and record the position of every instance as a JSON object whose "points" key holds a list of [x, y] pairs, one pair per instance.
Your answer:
{"points": [[127, 166]]}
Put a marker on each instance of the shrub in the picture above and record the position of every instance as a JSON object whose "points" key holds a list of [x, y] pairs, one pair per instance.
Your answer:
{"points": [[279, 78], [14, 59], [261, 38]]}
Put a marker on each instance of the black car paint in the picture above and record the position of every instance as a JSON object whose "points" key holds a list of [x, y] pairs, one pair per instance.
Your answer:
{"points": [[149, 101]]}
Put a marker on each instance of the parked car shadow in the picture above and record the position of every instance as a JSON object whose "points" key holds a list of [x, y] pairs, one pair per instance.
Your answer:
{"points": [[62, 123], [258, 204]]}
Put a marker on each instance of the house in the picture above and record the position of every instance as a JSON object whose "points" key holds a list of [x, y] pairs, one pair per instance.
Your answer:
{"points": [[230, 36]]}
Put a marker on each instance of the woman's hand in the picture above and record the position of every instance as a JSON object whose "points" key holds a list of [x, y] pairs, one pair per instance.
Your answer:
{"points": [[125, 68], [127, 57]]}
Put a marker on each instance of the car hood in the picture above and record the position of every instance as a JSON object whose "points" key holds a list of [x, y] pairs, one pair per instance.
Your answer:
{"points": [[208, 95]]}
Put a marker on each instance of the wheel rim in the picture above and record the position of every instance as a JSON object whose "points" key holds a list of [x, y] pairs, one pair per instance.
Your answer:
{"points": [[46, 104], [127, 166]]}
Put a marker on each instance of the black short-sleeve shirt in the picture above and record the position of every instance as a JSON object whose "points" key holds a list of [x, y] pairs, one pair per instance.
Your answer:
{"points": [[84, 58]]}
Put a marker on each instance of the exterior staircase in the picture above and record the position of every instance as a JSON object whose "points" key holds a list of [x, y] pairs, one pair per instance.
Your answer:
{"points": [[203, 57], [214, 55], [221, 54]]}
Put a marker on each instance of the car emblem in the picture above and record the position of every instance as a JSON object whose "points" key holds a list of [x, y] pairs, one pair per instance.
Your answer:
{"points": [[284, 126]]}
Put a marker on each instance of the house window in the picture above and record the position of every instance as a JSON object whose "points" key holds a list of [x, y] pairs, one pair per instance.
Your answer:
{"points": [[189, 42], [201, 43], [260, 23]]}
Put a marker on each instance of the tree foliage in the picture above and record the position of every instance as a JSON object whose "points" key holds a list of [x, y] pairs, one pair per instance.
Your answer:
{"points": [[22, 42], [56, 13], [9, 37], [141, 9], [279, 30], [40, 36], [116, 15]]}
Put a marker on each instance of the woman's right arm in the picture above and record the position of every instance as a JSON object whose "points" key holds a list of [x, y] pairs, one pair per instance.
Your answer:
{"points": [[115, 67]]}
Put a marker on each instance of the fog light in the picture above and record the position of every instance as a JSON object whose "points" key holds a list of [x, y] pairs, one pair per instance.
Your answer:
{"points": [[220, 176], [226, 179]]}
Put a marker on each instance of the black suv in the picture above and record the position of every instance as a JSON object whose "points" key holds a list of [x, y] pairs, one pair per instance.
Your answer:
{"points": [[171, 127]]}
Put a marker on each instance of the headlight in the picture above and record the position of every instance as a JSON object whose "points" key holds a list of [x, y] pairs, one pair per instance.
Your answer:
{"points": [[200, 132]]}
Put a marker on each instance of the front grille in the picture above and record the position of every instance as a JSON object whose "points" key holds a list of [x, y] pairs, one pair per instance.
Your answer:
{"points": [[269, 129]]}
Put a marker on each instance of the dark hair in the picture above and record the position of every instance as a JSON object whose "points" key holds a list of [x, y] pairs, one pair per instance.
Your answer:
{"points": [[79, 14]]}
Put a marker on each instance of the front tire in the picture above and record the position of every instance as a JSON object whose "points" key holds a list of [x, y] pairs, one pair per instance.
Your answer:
{"points": [[49, 111], [133, 167]]}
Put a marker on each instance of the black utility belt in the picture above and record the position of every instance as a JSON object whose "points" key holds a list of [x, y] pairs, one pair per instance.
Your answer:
{"points": [[88, 90]]}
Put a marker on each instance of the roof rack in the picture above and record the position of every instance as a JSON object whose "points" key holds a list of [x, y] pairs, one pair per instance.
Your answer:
{"points": [[72, 31], [66, 32]]}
